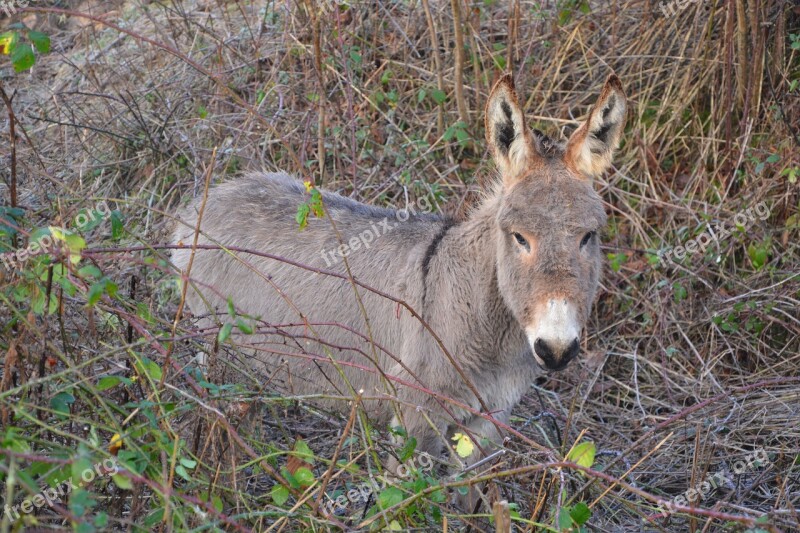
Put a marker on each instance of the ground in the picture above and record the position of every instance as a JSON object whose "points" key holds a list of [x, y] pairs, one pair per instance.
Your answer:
{"points": [[689, 387]]}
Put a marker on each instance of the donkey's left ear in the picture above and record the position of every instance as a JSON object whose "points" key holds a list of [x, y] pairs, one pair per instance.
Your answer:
{"points": [[506, 132], [591, 146]]}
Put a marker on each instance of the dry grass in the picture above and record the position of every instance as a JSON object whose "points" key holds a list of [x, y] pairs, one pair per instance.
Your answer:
{"points": [[692, 366]]}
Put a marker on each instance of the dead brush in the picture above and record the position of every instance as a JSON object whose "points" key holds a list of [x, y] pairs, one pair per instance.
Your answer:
{"points": [[694, 364]]}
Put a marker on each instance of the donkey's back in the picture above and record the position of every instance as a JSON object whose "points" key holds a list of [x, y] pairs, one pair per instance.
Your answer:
{"points": [[306, 317]]}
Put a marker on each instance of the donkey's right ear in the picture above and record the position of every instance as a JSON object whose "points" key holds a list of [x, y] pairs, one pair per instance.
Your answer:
{"points": [[591, 146], [506, 132]]}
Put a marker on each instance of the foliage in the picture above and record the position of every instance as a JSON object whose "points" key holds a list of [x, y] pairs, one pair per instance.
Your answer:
{"points": [[101, 362], [20, 42]]}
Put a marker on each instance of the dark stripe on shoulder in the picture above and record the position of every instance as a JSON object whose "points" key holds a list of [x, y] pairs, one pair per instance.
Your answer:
{"points": [[431, 250], [429, 253]]}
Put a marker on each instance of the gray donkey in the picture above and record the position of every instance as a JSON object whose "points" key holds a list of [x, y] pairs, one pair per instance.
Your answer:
{"points": [[507, 288]]}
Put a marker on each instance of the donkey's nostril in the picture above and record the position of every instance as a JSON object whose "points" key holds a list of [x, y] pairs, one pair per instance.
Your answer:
{"points": [[556, 360], [544, 351], [573, 350]]}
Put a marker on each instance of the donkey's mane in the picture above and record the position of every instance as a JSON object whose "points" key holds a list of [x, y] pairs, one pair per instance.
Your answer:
{"points": [[548, 146]]}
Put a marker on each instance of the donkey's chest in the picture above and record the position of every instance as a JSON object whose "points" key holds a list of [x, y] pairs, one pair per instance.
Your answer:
{"points": [[505, 383]]}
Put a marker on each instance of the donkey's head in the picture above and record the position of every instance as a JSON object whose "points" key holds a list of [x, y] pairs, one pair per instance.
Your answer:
{"points": [[549, 218]]}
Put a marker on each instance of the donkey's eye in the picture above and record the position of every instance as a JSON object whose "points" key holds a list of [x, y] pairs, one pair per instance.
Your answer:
{"points": [[586, 238], [521, 241]]}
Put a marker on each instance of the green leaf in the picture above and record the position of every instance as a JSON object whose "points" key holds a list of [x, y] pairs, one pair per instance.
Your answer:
{"points": [[76, 244], [302, 215], [231, 307], [60, 403], [96, 292], [116, 225], [302, 451], [791, 174], [111, 288], [304, 476], [279, 494], [181, 471], [81, 500], [617, 261], [88, 219], [580, 513], [154, 518], [73, 242], [390, 497], [758, 255], [679, 292], [149, 368], [7, 42], [244, 327], [108, 382], [122, 482], [216, 502], [289, 477], [774, 158], [28, 481], [408, 449], [400, 431], [438, 96], [22, 57], [583, 454], [564, 519], [38, 234], [224, 333], [90, 271], [40, 40], [78, 468], [316, 203], [464, 445]]}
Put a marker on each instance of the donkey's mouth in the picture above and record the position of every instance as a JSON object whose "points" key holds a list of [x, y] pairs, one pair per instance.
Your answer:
{"points": [[553, 360], [557, 368]]}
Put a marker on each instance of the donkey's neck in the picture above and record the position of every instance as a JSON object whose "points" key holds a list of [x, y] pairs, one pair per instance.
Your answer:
{"points": [[467, 267]]}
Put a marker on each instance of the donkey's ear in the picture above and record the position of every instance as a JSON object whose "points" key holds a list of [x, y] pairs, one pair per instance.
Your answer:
{"points": [[506, 132], [591, 146]]}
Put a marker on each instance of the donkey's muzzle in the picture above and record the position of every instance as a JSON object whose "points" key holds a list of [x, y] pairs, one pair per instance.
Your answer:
{"points": [[553, 358]]}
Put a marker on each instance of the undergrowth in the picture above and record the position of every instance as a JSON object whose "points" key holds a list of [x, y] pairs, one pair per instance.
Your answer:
{"points": [[115, 112]]}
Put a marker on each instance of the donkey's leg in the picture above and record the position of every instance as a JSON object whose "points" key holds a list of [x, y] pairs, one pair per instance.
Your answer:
{"points": [[429, 431]]}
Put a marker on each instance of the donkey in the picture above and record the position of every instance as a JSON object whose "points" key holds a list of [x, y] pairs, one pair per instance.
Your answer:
{"points": [[507, 290]]}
